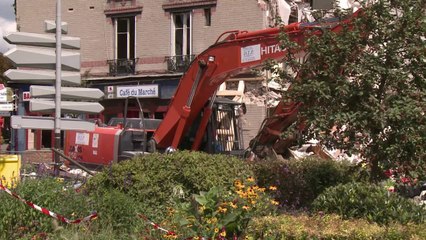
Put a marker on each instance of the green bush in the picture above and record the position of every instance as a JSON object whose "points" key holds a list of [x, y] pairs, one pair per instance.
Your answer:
{"points": [[328, 227], [18, 220], [372, 202], [117, 219], [299, 182], [117, 212], [155, 179]]}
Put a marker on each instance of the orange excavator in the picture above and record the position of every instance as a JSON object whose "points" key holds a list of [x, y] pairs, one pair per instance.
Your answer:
{"points": [[194, 106]]}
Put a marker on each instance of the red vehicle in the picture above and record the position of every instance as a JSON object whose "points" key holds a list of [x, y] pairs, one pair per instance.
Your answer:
{"points": [[123, 138], [193, 117]]}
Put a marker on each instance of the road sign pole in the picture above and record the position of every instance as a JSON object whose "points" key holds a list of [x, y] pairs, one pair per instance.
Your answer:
{"points": [[58, 87], [44, 59]]}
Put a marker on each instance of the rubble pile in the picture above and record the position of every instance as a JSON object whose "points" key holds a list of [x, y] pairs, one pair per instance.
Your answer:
{"points": [[261, 94], [421, 199], [46, 169]]}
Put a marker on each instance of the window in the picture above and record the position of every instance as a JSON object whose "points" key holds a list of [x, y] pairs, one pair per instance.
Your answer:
{"points": [[124, 61], [46, 139], [181, 35], [125, 38], [208, 17]]}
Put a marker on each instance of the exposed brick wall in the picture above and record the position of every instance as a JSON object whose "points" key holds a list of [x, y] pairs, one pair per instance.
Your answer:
{"points": [[36, 156]]}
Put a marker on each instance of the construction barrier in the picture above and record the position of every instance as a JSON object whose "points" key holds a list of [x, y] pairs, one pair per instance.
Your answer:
{"points": [[156, 226], [46, 211]]}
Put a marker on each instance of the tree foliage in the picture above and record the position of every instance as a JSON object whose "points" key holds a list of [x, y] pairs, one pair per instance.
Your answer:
{"points": [[364, 89], [5, 64]]}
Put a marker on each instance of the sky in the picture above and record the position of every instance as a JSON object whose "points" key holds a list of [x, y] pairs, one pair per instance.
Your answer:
{"points": [[7, 23]]}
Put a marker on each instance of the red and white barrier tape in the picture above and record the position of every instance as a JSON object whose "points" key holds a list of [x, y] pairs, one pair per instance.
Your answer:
{"points": [[156, 226], [47, 212]]}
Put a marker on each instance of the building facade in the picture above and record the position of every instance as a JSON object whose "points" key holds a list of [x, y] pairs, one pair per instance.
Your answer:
{"points": [[142, 47]]}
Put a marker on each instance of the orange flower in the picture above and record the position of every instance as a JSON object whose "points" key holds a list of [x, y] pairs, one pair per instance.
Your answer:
{"points": [[272, 188], [170, 236], [222, 210], [241, 194], [201, 209], [238, 184], [233, 205]]}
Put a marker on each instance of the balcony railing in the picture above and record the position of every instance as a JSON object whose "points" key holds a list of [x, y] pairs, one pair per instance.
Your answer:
{"points": [[122, 66], [179, 63]]}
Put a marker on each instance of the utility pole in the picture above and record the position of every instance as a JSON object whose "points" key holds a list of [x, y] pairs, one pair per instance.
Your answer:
{"points": [[58, 87]]}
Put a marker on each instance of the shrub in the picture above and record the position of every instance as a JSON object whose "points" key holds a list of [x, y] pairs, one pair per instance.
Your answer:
{"points": [[155, 179], [327, 227], [117, 211], [18, 220], [375, 203], [299, 182]]}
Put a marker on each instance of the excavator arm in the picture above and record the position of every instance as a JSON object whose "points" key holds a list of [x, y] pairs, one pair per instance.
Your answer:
{"points": [[239, 51]]}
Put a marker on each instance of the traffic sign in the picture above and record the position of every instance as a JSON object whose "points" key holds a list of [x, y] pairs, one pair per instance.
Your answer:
{"points": [[39, 51], [50, 26], [42, 40], [6, 107], [6, 94], [48, 106], [42, 77], [71, 93], [31, 122], [42, 58], [26, 96]]}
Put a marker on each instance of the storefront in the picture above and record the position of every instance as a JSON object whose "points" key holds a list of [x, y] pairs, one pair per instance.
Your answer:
{"points": [[154, 95]]}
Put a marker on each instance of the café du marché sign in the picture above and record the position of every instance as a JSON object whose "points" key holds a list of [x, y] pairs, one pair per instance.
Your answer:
{"points": [[139, 91]]}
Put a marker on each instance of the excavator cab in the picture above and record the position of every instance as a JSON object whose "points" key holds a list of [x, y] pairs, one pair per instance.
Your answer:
{"points": [[223, 132]]}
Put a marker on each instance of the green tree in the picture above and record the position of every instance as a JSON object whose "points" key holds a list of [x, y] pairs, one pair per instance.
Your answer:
{"points": [[5, 64], [363, 89]]}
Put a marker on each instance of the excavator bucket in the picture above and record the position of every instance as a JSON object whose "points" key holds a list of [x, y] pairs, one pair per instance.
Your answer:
{"points": [[270, 133]]}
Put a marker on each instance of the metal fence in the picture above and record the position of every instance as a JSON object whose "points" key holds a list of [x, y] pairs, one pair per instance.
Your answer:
{"points": [[122, 66], [179, 63]]}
